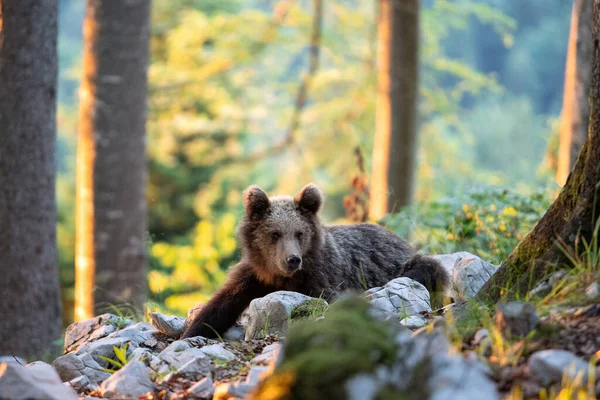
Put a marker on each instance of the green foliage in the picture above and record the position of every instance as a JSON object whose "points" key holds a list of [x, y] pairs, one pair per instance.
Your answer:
{"points": [[310, 310], [223, 84], [120, 362], [486, 221]]}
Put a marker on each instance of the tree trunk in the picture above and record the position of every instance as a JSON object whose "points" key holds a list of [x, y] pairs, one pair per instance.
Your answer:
{"points": [[394, 151], [29, 290], [111, 164], [578, 78], [573, 215]]}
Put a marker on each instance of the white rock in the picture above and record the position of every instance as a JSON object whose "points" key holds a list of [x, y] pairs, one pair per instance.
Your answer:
{"points": [[257, 374], [38, 381], [168, 324], [130, 381], [104, 347], [71, 366], [516, 318], [398, 299], [143, 355], [178, 354], [238, 390], [268, 355], [78, 383], [551, 365], [92, 329], [449, 375], [452, 378], [202, 389], [468, 272], [414, 322], [270, 315], [362, 387], [235, 333], [136, 335], [195, 368], [218, 352]]}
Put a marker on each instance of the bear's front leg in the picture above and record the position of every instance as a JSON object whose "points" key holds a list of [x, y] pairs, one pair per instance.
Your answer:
{"points": [[226, 305]]}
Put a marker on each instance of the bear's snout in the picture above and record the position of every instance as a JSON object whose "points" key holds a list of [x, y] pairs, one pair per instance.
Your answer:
{"points": [[293, 262]]}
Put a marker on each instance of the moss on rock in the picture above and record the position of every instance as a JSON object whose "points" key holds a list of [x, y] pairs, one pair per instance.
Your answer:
{"points": [[322, 356], [310, 309]]}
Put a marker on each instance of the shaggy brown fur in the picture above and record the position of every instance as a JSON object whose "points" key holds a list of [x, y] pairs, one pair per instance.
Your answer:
{"points": [[286, 247]]}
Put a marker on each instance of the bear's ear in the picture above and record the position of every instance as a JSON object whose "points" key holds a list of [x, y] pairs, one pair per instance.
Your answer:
{"points": [[256, 201], [310, 198]]}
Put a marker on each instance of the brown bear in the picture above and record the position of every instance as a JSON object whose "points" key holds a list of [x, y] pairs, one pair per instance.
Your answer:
{"points": [[285, 246]]}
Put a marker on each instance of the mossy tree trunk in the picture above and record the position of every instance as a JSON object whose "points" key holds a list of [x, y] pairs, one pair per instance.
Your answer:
{"points": [[110, 262], [572, 217]]}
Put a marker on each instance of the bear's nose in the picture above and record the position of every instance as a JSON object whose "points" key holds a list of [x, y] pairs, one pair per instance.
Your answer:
{"points": [[293, 261]]}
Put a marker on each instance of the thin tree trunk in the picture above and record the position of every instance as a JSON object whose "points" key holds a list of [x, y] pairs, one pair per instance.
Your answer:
{"points": [[111, 163], [570, 219], [30, 315], [578, 77], [394, 151]]}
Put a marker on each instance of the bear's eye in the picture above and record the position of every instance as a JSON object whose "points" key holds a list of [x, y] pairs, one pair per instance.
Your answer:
{"points": [[275, 236], [299, 235]]}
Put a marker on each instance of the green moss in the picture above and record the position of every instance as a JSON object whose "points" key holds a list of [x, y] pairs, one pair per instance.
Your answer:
{"points": [[310, 309], [321, 356]]}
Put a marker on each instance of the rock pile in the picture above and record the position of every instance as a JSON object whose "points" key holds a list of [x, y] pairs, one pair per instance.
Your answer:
{"points": [[373, 347]]}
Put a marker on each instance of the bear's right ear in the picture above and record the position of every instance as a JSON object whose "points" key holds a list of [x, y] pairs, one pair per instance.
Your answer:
{"points": [[256, 201]]}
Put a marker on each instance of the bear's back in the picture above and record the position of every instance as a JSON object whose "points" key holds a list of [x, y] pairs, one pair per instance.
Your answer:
{"points": [[357, 256]]}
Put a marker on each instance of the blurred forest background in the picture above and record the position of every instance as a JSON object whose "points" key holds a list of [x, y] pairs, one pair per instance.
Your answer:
{"points": [[223, 79]]}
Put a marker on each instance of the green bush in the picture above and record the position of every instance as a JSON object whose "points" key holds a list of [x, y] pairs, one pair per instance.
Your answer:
{"points": [[487, 221]]}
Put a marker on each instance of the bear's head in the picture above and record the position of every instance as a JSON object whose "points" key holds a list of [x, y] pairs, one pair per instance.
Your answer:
{"points": [[278, 233]]}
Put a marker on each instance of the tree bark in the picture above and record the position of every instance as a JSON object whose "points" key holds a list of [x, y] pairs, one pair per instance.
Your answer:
{"points": [[394, 150], [30, 315], [572, 217], [578, 77], [111, 163]]}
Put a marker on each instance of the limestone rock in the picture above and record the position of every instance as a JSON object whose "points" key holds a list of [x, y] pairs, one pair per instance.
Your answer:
{"points": [[516, 318], [178, 354], [218, 352], [269, 315], [104, 347], [235, 333], [268, 355], [414, 322], [398, 299], [131, 381], [37, 381], [136, 335], [551, 365], [71, 366], [468, 273], [92, 329], [169, 325], [202, 389]]}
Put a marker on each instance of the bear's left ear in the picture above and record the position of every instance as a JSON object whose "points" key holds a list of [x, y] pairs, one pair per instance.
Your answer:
{"points": [[310, 198], [256, 201]]}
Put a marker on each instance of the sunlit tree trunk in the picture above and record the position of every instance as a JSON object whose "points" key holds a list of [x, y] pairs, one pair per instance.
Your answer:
{"points": [[111, 164], [572, 217], [578, 76], [394, 151], [29, 290]]}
